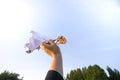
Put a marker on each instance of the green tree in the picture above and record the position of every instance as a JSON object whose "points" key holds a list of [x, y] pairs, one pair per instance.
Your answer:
{"points": [[75, 75], [113, 74], [87, 73], [6, 75], [94, 73]]}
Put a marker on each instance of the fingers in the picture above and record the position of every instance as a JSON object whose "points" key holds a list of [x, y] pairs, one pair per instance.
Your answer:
{"points": [[50, 42], [47, 44], [50, 48]]}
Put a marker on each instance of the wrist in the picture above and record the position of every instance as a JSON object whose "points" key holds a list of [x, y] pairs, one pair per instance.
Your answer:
{"points": [[57, 56]]}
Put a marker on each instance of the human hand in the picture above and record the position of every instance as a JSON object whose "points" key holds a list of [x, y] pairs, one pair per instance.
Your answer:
{"points": [[50, 48]]}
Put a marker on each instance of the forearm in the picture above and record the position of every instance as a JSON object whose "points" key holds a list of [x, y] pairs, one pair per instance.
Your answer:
{"points": [[53, 50], [57, 64]]}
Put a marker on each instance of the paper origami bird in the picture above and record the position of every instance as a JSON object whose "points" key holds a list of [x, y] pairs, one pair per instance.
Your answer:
{"points": [[37, 39]]}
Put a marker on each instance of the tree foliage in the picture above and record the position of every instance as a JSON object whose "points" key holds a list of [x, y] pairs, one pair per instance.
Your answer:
{"points": [[6, 75], [93, 73], [75, 75], [113, 74]]}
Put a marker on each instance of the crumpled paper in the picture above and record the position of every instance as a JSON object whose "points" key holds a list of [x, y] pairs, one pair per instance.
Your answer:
{"points": [[34, 42]]}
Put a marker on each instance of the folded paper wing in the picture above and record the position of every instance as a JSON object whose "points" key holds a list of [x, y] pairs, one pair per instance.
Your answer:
{"points": [[34, 42]]}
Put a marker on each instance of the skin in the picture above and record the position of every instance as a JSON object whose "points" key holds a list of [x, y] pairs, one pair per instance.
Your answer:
{"points": [[54, 52]]}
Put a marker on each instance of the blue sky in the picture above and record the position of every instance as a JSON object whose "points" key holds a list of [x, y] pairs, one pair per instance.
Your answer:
{"points": [[90, 26]]}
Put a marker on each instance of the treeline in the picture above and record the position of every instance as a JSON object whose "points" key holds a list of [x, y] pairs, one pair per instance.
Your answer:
{"points": [[6, 75], [94, 72]]}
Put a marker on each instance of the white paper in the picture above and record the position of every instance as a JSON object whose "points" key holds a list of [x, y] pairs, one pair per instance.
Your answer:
{"points": [[34, 42]]}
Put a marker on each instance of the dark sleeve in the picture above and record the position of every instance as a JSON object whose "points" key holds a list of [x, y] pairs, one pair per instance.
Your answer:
{"points": [[53, 75]]}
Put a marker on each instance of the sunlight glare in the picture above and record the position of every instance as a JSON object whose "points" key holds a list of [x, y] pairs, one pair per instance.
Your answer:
{"points": [[14, 18]]}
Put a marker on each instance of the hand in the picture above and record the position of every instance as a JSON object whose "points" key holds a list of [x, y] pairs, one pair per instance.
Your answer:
{"points": [[54, 51], [50, 48]]}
